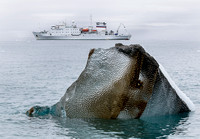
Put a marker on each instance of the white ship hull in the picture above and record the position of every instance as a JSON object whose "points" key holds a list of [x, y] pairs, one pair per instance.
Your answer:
{"points": [[41, 36]]}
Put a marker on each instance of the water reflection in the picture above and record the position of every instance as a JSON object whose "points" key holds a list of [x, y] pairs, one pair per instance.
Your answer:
{"points": [[125, 128]]}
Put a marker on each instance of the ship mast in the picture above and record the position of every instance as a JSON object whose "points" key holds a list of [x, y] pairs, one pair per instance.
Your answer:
{"points": [[91, 20]]}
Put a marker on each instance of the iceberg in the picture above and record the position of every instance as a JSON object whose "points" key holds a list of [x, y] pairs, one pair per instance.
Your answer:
{"points": [[119, 82]]}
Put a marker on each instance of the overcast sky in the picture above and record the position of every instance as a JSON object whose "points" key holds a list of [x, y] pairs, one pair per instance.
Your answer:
{"points": [[144, 19]]}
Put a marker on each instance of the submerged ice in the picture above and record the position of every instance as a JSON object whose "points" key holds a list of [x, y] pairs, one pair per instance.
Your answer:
{"points": [[120, 82]]}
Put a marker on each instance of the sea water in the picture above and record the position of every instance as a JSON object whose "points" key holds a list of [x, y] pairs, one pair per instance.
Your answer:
{"points": [[39, 72]]}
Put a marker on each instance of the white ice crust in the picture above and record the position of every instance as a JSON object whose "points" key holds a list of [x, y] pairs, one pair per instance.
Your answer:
{"points": [[182, 96]]}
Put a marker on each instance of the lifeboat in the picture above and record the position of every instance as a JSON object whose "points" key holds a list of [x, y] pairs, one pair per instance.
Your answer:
{"points": [[85, 29]]}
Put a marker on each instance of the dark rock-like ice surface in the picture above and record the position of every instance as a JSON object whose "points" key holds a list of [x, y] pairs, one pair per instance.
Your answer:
{"points": [[120, 82]]}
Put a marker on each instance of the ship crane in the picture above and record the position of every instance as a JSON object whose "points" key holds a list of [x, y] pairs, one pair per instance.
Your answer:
{"points": [[119, 28]]}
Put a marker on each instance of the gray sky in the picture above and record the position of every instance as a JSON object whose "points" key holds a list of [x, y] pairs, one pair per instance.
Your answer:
{"points": [[144, 19]]}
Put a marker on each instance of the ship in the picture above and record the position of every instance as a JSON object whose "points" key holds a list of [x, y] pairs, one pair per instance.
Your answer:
{"points": [[72, 32]]}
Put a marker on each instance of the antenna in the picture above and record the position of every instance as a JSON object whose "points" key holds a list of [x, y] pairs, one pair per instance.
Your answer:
{"points": [[91, 20]]}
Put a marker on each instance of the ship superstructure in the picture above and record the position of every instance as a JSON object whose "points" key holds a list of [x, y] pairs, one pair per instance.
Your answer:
{"points": [[72, 32]]}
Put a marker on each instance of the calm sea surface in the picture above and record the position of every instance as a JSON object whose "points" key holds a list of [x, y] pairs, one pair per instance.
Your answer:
{"points": [[39, 72]]}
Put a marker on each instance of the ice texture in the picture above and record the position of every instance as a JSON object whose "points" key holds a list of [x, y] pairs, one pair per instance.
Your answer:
{"points": [[120, 82], [167, 98], [98, 89]]}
